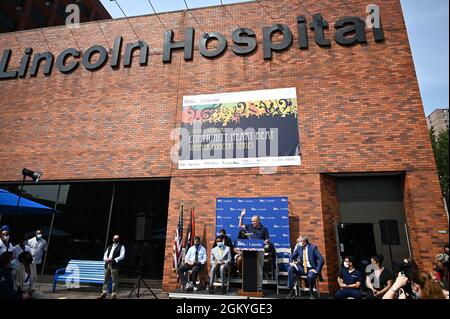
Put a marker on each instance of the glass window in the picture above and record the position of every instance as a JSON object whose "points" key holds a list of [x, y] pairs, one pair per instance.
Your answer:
{"points": [[80, 231]]}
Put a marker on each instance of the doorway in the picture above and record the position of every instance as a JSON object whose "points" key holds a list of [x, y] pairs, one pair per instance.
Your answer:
{"points": [[357, 240], [365, 201]]}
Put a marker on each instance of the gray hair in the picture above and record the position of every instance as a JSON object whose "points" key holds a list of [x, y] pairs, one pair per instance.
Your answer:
{"points": [[257, 217], [305, 238]]}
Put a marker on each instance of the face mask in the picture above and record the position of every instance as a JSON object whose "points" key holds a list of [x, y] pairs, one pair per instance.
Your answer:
{"points": [[346, 265], [39, 236], [220, 244], [6, 238], [196, 244], [12, 264]]}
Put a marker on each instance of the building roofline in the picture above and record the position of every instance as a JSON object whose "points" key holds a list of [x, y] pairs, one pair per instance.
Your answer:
{"points": [[133, 17]]}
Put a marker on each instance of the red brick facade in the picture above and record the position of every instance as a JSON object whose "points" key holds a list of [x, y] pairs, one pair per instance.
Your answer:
{"points": [[359, 111]]}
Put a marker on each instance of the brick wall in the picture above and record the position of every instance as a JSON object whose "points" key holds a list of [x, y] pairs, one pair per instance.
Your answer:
{"points": [[359, 111]]}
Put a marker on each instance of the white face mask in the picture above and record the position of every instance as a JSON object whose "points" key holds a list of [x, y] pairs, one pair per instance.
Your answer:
{"points": [[39, 236], [346, 265], [6, 238]]}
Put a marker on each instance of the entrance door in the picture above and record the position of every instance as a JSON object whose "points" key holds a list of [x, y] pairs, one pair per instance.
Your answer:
{"points": [[357, 240]]}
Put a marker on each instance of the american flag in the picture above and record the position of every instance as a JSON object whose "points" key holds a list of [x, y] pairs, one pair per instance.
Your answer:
{"points": [[190, 232], [177, 243]]}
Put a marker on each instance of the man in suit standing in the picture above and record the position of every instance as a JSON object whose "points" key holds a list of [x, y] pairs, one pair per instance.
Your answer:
{"points": [[113, 257], [306, 260], [256, 230], [220, 261]]}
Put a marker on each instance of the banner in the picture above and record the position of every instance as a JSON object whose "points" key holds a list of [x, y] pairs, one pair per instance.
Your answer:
{"points": [[242, 129], [273, 212]]}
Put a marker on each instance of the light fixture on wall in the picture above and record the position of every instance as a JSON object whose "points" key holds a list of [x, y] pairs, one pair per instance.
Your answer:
{"points": [[35, 176]]}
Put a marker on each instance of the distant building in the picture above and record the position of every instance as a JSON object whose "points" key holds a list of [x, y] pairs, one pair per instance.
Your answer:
{"points": [[16, 15], [438, 120]]}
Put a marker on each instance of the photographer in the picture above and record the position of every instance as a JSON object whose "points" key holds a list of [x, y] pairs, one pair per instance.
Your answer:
{"points": [[406, 267], [442, 270], [422, 284]]}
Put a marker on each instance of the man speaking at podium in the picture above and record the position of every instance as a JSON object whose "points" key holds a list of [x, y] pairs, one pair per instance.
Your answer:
{"points": [[256, 230]]}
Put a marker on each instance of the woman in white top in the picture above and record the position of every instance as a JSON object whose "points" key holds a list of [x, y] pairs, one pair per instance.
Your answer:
{"points": [[26, 276]]}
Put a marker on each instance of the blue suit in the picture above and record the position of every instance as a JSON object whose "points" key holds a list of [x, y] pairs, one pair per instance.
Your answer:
{"points": [[315, 260]]}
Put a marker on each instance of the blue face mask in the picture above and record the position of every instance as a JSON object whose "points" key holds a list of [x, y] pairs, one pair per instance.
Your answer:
{"points": [[220, 244], [13, 264]]}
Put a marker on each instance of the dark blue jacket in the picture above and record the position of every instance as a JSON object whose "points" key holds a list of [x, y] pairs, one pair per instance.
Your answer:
{"points": [[314, 256], [7, 290]]}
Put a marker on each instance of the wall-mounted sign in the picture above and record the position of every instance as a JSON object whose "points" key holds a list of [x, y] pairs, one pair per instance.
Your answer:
{"points": [[240, 129], [349, 31]]}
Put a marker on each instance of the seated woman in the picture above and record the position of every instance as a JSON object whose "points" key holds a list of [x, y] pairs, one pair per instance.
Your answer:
{"points": [[270, 257], [238, 253], [26, 277], [382, 279]]}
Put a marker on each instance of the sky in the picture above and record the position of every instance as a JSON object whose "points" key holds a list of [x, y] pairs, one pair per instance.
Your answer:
{"points": [[426, 23]]}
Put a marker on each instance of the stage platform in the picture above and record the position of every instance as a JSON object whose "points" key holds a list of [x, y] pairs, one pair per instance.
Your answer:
{"points": [[233, 293]]}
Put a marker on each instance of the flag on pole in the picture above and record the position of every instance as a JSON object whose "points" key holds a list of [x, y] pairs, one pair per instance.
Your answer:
{"points": [[177, 243], [189, 242], [204, 274]]}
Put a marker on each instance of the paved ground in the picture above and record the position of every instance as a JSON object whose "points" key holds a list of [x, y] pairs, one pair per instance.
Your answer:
{"points": [[86, 292], [93, 291]]}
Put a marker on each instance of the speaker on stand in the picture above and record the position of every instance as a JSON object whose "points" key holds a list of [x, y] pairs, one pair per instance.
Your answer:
{"points": [[142, 238], [390, 235]]}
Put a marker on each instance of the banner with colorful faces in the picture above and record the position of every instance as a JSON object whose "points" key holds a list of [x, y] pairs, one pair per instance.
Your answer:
{"points": [[241, 129], [273, 213]]}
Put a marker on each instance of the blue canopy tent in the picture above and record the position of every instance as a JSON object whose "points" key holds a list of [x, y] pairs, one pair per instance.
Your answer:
{"points": [[8, 205]]}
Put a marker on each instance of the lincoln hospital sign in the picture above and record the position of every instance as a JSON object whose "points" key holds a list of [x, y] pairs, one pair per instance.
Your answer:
{"points": [[348, 31]]}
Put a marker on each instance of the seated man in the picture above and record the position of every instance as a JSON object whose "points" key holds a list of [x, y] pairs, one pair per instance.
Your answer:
{"points": [[349, 280], [306, 260], [195, 259], [220, 261]]}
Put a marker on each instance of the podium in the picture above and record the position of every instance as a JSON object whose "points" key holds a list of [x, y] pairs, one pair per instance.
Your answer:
{"points": [[250, 270]]}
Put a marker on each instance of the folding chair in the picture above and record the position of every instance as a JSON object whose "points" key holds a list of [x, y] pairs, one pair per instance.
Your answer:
{"points": [[283, 255], [299, 289]]}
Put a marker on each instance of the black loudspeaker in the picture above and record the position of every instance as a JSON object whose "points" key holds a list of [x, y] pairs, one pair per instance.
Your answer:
{"points": [[389, 232], [143, 227]]}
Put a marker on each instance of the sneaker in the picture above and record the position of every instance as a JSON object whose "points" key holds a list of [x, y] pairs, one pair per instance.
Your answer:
{"points": [[312, 296], [189, 288], [291, 293], [102, 296], [195, 288], [113, 296]]}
